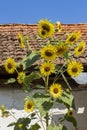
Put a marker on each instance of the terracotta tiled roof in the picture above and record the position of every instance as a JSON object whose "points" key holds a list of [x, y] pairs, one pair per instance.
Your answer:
{"points": [[9, 45]]}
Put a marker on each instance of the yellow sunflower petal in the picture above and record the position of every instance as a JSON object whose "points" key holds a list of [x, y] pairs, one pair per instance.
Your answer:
{"points": [[70, 112], [56, 90], [10, 65], [29, 106], [47, 68], [79, 49], [74, 68], [20, 125], [48, 52], [73, 37], [61, 50], [46, 28], [21, 41], [20, 78], [58, 26]]}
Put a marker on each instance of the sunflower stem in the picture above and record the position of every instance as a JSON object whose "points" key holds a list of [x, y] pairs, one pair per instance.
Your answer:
{"points": [[66, 81], [47, 118], [46, 83]]}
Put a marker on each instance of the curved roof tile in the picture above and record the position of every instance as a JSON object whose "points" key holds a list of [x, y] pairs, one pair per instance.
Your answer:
{"points": [[9, 45]]}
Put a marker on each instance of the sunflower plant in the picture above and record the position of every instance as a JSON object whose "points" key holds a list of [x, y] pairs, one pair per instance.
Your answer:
{"points": [[49, 91]]}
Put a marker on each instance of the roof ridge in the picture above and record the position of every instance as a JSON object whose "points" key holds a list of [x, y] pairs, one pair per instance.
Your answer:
{"points": [[8, 24]]}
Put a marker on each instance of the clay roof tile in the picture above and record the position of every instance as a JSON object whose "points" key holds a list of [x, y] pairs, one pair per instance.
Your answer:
{"points": [[9, 45]]}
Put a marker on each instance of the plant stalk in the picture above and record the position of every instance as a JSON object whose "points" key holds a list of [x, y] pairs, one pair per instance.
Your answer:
{"points": [[47, 119], [46, 83]]}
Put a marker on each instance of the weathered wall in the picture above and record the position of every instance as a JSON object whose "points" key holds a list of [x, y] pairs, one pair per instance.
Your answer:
{"points": [[12, 96]]}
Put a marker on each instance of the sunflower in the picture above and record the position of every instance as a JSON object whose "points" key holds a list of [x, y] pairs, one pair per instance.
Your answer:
{"points": [[46, 28], [73, 37], [48, 52], [29, 106], [56, 90], [47, 68], [20, 78], [20, 125], [58, 26], [80, 48], [21, 41], [10, 65], [70, 113], [61, 50], [74, 68]]}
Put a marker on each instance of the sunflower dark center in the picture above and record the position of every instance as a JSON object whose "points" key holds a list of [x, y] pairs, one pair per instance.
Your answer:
{"points": [[46, 27], [29, 106], [80, 49], [72, 38], [43, 32], [55, 90], [74, 69], [9, 65], [48, 53], [47, 69], [70, 113]]}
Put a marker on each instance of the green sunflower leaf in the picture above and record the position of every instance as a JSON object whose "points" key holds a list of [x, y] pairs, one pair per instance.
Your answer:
{"points": [[72, 120], [55, 127], [39, 86], [43, 102], [32, 76], [11, 80], [11, 124], [30, 60], [24, 122], [47, 105], [35, 127], [67, 99]]}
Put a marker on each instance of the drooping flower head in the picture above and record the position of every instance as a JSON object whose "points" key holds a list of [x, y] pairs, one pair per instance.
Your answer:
{"points": [[20, 126], [29, 105], [20, 78], [74, 68], [73, 37], [79, 49], [10, 65], [61, 50], [47, 68], [58, 26], [56, 90], [69, 113], [46, 28], [48, 52], [21, 41]]}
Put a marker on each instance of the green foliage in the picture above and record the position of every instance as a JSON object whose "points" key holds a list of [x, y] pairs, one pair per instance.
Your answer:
{"points": [[21, 121], [12, 124], [11, 80], [43, 102], [55, 127], [67, 99], [35, 127], [29, 60], [32, 76], [72, 120], [4, 112], [27, 83]]}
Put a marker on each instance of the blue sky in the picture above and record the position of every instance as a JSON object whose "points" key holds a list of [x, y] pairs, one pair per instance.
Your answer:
{"points": [[31, 11]]}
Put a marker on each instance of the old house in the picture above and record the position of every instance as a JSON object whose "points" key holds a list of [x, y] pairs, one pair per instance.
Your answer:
{"points": [[9, 47]]}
